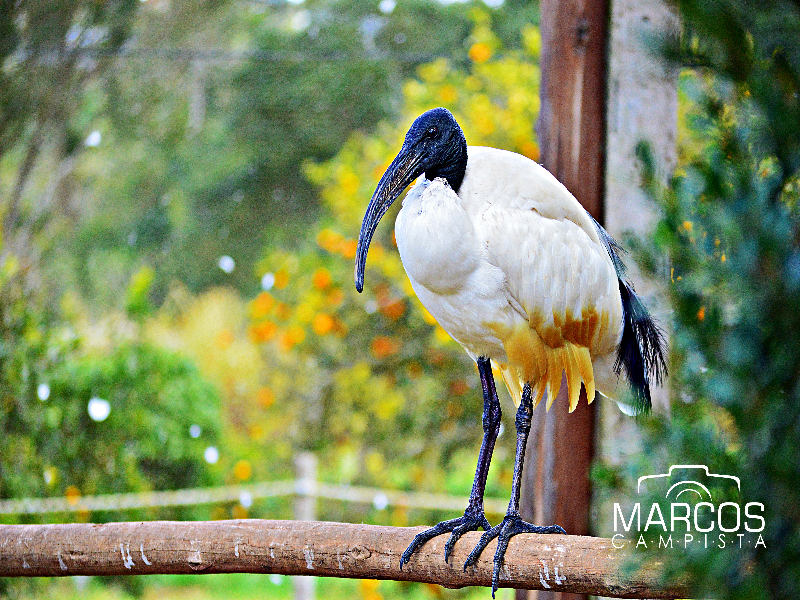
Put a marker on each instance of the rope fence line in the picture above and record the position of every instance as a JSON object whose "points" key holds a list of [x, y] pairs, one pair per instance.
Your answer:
{"points": [[245, 494]]}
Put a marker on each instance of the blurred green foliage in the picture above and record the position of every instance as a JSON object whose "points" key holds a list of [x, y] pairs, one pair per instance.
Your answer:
{"points": [[77, 421], [205, 119], [729, 246]]}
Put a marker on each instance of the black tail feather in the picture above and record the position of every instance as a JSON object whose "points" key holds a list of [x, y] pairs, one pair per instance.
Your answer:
{"points": [[643, 348]]}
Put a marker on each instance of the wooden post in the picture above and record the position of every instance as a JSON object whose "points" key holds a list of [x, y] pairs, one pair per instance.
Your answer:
{"points": [[574, 563], [571, 131], [305, 509]]}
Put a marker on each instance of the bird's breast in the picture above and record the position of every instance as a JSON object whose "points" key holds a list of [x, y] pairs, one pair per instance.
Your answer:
{"points": [[436, 238], [443, 257]]}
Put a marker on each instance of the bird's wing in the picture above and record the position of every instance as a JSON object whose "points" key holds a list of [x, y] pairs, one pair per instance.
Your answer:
{"points": [[509, 179], [558, 276]]}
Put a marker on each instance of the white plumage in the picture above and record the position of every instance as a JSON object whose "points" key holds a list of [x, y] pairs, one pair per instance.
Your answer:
{"points": [[511, 258]]}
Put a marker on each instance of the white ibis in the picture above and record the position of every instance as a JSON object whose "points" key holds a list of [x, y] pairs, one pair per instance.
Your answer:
{"points": [[515, 270]]}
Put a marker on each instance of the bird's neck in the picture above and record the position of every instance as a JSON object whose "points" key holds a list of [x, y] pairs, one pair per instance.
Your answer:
{"points": [[453, 167]]}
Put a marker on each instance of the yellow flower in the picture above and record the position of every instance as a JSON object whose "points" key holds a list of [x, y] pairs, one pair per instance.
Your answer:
{"points": [[530, 150], [242, 470], [281, 279], [225, 339], [442, 336], [448, 94]]}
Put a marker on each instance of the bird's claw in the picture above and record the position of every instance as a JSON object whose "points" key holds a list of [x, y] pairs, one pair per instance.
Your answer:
{"points": [[471, 521], [508, 528]]}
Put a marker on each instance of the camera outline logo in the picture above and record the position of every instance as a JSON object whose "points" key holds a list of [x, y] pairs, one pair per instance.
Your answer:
{"points": [[689, 514], [703, 493]]}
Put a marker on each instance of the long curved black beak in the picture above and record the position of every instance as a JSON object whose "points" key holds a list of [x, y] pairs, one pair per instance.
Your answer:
{"points": [[405, 168]]}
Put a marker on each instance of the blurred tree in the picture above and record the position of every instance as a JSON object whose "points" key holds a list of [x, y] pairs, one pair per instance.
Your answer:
{"points": [[208, 116], [729, 244], [53, 55], [48, 51]]}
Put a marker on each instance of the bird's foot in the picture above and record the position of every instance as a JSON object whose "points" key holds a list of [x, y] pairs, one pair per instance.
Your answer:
{"points": [[471, 521], [508, 528]]}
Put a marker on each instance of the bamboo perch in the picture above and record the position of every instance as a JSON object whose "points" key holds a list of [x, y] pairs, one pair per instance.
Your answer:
{"points": [[553, 562]]}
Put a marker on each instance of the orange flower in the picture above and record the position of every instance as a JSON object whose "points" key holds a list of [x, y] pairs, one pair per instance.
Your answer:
{"points": [[369, 589], [393, 309], [454, 410], [73, 494], [262, 304], [263, 332], [321, 278], [383, 346], [530, 150], [265, 397], [283, 311], [458, 387], [330, 240], [323, 323], [335, 297], [349, 249], [292, 336], [414, 370], [701, 314], [434, 590], [480, 52]]}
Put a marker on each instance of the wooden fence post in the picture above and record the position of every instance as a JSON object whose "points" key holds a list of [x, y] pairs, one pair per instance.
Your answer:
{"points": [[305, 509]]}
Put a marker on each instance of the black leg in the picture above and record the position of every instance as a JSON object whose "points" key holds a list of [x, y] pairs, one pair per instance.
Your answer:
{"points": [[512, 523], [474, 516]]}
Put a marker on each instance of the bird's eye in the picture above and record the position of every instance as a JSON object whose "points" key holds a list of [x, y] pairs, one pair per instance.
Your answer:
{"points": [[433, 131]]}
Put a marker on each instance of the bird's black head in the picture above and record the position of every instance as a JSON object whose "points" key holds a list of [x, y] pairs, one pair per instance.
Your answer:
{"points": [[434, 145], [439, 142]]}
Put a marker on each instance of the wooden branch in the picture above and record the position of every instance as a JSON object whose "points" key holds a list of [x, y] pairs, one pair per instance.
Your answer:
{"points": [[553, 562]]}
